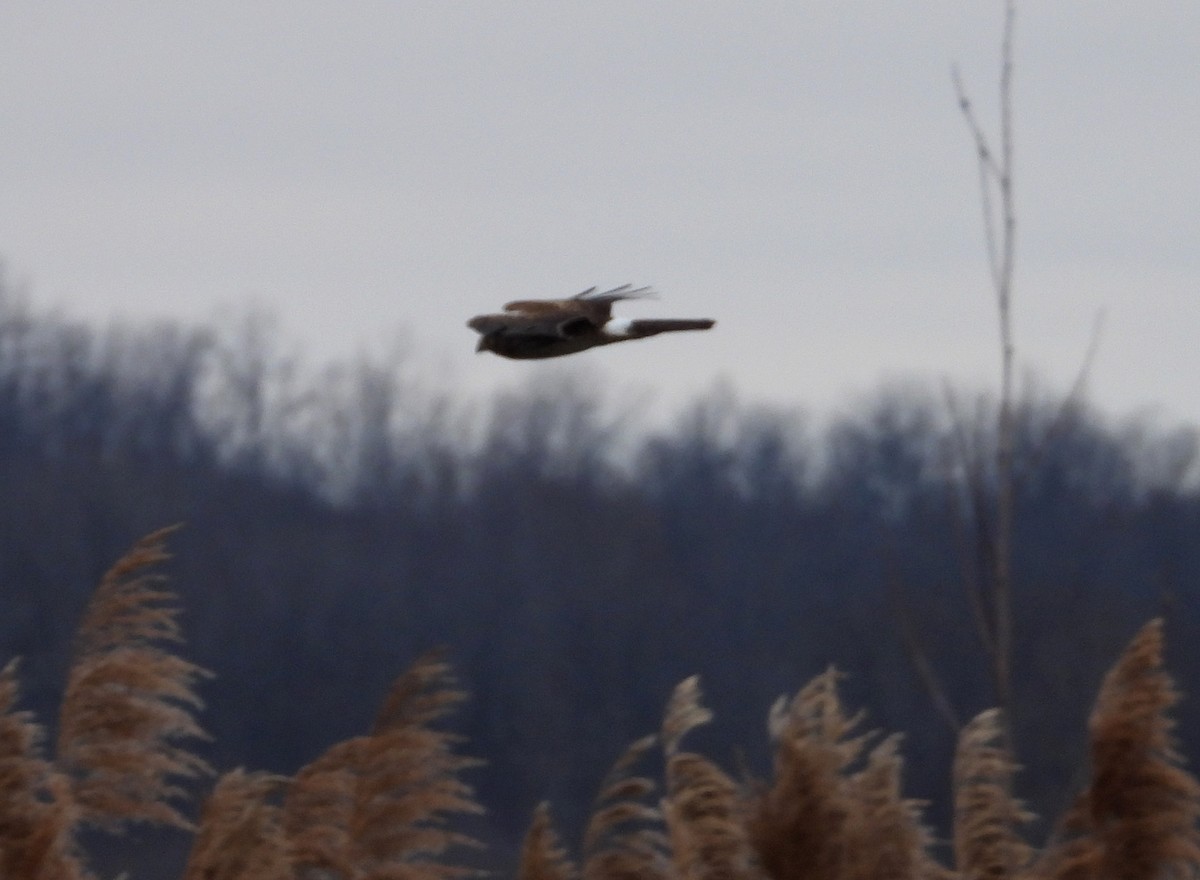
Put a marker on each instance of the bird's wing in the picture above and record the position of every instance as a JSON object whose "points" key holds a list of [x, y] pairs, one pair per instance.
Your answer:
{"points": [[594, 304], [625, 291], [563, 323], [598, 304], [542, 306]]}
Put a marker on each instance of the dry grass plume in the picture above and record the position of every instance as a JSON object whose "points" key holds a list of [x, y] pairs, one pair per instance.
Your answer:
{"points": [[240, 835], [543, 857], [833, 809], [130, 700], [884, 833], [987, 845], [1136, 820], [37, 812], [704, 810], [798, 821], [624, 838], [376, 806]]}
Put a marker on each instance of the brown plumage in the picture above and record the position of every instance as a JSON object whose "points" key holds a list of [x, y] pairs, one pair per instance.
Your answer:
{"points": [[531, 328]]}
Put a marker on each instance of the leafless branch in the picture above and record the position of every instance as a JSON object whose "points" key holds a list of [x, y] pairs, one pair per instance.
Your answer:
{"points": [[999, 217], [1070, 403], [920, 660]]}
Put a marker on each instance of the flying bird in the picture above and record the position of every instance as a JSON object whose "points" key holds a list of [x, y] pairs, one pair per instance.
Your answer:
{"points": [[546, 328]]}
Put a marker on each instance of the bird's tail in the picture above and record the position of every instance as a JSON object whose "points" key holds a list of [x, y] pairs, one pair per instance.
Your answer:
{"points": [[653, 326]]}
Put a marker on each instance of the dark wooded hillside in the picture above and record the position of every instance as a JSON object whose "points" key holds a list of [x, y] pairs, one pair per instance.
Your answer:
{"points": [[340, 521]]}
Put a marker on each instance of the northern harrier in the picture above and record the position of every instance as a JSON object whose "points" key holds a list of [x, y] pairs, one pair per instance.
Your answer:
{"points": [[536, 328]]}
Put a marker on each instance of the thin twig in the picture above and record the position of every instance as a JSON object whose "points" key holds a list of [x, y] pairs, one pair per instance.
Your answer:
{"points": [[918, 657], [988, 172], [1001, 247], [972, 512], [1004, 454], [1069, 404]]}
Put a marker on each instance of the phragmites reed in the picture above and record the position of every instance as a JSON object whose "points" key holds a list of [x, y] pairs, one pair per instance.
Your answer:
{"points": [[240, 836], [1137, 818], [703, 807], [129, 699], [987, 845], [624, 839], [884, 834], [543, 856], [318, 812], [376, 806], [37, 813], [683, 714], [379, 806], [797, 824]]}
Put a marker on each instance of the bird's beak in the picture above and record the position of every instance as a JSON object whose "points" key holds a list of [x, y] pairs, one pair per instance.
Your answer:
{"points": [[481, 345]]}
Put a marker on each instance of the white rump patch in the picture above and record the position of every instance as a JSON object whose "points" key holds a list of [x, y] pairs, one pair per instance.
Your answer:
{"points": [[619, 326]]}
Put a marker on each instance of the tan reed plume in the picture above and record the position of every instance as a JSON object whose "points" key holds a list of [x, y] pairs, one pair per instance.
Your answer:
{"points": [[130, 699]]}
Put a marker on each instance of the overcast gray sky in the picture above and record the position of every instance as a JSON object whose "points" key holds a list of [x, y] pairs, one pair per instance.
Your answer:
{"points": [[798, 171]]}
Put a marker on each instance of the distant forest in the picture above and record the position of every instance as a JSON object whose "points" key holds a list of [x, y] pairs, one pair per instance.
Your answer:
{"points": [[341, 520]]}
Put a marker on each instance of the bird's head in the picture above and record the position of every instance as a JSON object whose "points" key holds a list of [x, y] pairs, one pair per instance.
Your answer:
{"points": [[486, 331]]}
